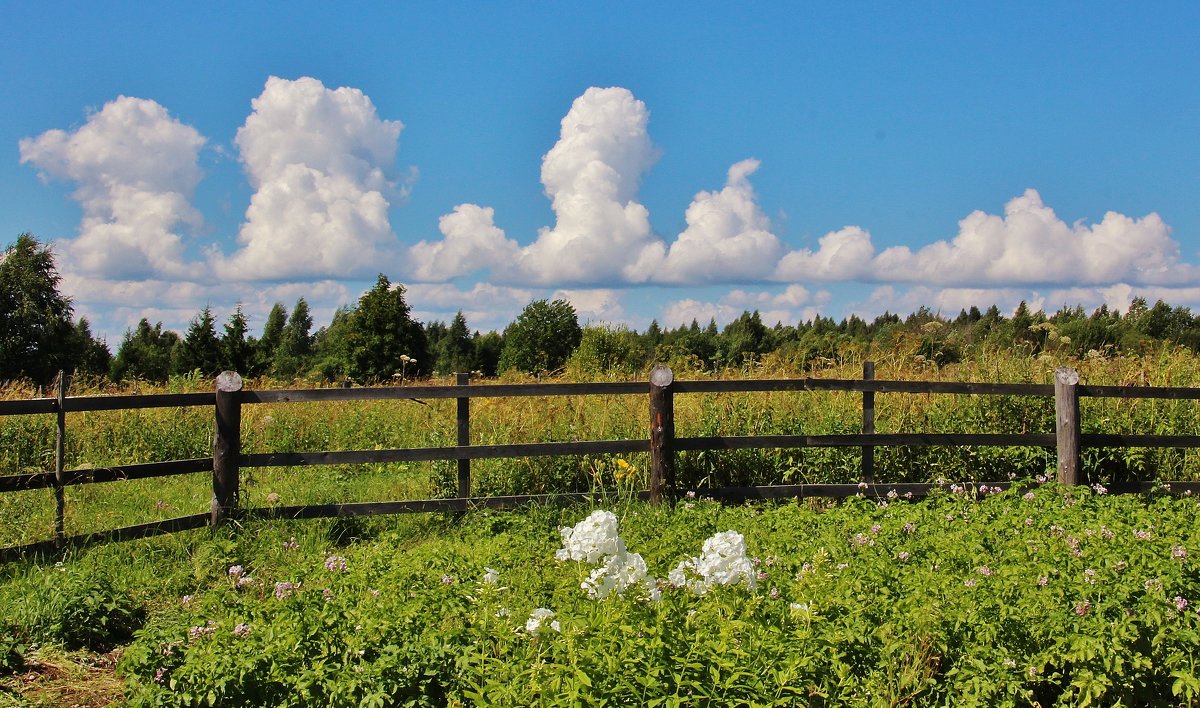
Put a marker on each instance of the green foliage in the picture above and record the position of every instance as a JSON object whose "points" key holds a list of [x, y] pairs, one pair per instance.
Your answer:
{"points": [[145, 353], [75, 607], [379, 332], [542, 337], [264, 350], [454, 351], [485, 352], [237, 354], [604, 349], [1047, 596], [295, 348], [200, 349], [36, 334], [12, 649]]}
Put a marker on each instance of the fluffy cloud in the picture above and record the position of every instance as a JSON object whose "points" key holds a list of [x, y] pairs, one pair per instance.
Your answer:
{"points": [[591, 176], [845, 254], [1031, 245], [486, 306], [321, 162], [727, 238], [1028, 245], [471, 241], [136, 169], [595, 304]]}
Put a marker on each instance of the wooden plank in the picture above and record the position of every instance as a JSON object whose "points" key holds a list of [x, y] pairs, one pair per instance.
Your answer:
{"points": [[463, 415], [32, 406], [144, 470], [426, 454], [77, 404], [30, 480], [868, 424], [60, 442], [740, 386], [127, 533], [662, 434], [878, 440], [227, 446], [854, 385], [1122, 440], [960, 387], [1067, 424], [412, 506], [1167, 392], [436, 392]]}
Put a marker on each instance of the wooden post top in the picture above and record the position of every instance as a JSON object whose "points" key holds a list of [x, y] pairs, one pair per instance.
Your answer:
{"points": [[1066, 376], [662, 376], [229, 381]]}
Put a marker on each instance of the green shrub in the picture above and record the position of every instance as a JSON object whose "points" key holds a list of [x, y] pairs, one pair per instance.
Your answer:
{"points": [[76, 608]]}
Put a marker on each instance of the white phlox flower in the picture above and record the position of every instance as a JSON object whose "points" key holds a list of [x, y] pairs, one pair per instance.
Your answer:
{"points": [[591, 539], [618, 573], [722, 561], [539, 617]]}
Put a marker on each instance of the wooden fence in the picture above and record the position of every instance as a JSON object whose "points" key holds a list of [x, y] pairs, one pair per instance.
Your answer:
{"points": [[661, 443]]}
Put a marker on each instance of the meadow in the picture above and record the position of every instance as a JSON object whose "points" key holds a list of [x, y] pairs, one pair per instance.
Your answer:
{"points": [[1040, 593]]}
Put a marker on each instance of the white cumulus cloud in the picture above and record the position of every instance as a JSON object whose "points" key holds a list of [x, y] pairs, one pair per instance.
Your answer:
{"points": [[136, 169], [322, 162], [728, 238], [594, 304], [1030, 244], [591, 175], [471, 241]]}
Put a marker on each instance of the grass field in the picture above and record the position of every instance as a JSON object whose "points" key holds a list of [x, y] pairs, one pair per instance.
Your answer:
{"points": [[928, 627]]}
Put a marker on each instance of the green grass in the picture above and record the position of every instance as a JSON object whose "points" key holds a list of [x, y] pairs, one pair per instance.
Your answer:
{"points": [[939, 602], [111, 437]]}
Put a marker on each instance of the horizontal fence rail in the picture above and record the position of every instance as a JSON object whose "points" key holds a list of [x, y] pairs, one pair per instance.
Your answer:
{"points": [[661, 443]]}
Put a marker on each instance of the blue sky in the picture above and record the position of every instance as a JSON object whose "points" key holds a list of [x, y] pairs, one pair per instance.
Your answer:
{"points": [[645, 160]]}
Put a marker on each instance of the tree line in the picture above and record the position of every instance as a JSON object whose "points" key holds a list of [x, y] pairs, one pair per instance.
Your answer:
{"points": [[378, 340]]}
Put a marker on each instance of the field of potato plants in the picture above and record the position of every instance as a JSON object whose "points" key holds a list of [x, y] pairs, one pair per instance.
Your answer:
{"points": [[1035, 595], [1038, 594]]}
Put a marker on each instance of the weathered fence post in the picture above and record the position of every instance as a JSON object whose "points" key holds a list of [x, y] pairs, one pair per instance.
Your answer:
{"points": [[464, 438], [662, 434], [227, 446], [868, 424], [60, 442], [1066, 424]]}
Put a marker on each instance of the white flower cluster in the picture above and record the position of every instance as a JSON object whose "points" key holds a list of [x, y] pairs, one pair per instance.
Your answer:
{"points": [[592, 539], [722, 561], [538, 617], [595, 540]]}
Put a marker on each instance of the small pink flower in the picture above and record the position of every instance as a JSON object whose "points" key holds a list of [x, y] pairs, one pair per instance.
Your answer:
{"points": [[903, 555], [335, 564], [1081, 608], [1178, 552], [1028, 496], [242, 630], [984, 570], [1043, 581], [1180, 603]]}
